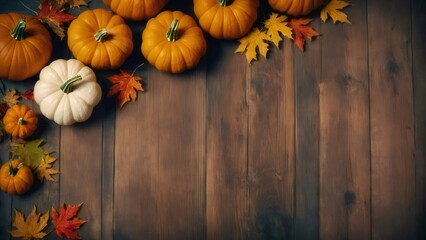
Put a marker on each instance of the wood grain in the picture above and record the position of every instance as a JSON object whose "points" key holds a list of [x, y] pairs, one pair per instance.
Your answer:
{"points": [[391, 109]]}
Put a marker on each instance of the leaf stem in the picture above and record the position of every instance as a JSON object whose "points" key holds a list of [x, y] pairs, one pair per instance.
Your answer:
{"points": [[136, 68]]}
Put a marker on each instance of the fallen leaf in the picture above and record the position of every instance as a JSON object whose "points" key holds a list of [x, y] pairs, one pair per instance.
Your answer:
{"points": [[54, 17], [28, 95], [126, 85], [302, 31], [32, 228], [277, 25], [77, 3], [29, 152], [45, 170], [11, 97], [253, 42], [333, 9], [66, 221]]}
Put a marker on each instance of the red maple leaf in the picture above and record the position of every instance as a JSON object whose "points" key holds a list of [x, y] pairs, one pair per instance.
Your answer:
{"points": [[66, 221], [126, 85], [301, 31], [53, 17], [28, 95]]}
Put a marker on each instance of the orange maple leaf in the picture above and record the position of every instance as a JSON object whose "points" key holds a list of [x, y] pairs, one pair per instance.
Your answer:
{"points": [[302, 32], [126, 85], [66, 221]]}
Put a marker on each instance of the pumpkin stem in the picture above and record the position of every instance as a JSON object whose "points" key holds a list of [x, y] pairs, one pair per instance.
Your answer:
{"points": [[224, 3], [66, 86], [22, 121], [171, 33], [19, 30], [12, 171], [101, 35]]}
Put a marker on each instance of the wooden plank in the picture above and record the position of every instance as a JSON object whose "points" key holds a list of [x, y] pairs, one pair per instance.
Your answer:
{"points": [[81, 171], [391, 108], [419, 86], [306, 77], [227, 129], [344, 150], [160, 159], [271, 145]]}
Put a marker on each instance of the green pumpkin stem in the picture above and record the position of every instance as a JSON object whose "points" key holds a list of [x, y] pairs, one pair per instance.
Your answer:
{"points": [[101, 35], [224, 3], [21, 121], [66, 86], [172, 32], [19, 30]]}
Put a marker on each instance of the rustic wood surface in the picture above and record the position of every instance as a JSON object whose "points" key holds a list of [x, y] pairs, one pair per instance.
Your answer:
{"points": [[325, 144]]}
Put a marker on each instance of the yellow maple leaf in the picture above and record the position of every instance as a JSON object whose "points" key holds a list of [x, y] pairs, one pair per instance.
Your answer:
{"points": [[276, 25], [252, 43], [333, 9], [32, 227], [45, 170], [11, 97]]}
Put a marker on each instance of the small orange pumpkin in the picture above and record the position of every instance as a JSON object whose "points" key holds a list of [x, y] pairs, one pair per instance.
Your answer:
{"points": [[295, 7], [173, 42], [15, 177], [136, 10], [226, 19], [25, 46], [100, 38], [20, 121]]}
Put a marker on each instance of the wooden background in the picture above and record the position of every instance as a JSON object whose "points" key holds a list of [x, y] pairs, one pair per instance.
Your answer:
{"points": [[325, 144]]}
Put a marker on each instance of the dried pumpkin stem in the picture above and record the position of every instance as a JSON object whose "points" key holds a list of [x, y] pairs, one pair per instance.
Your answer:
{"points": [[19, 30], [101, 35], [21, 121], [12, 171], [66, 86], [172, 32], [224, 3]]}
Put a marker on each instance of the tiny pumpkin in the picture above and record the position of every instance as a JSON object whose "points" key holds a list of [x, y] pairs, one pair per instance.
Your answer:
{"points": [[100, 38], [15, 177], [226, 19], [295, 7], [20, 121], [67, 91], [173, 42], [25, 46], [136, 9]]}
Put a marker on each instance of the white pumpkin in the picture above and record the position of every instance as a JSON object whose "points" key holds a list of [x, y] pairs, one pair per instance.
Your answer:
{"points": [[67, 91]]}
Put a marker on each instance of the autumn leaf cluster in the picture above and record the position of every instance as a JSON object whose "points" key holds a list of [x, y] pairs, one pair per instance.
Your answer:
{"points": [[65, 221], [277, 26]]}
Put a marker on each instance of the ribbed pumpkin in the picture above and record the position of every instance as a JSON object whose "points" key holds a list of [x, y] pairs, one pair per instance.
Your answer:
{"points": [[100, 38], [15, 177], [136, 9], [226, 19], [173, 42], [20, 121], [25, 46], [295, 7]]}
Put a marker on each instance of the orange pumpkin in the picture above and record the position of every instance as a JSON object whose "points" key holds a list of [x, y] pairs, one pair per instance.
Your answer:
{"points": [[173, 42], [20, 121], [100, 38], [15, 177], [25, 46], [136, 9], [295, 7], [226, 19]]}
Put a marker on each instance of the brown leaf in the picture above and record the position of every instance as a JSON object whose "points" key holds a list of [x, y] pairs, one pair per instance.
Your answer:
{"points": [[45, 170], [32, 228], [126, 85], [77, 3], [66, 222], [302, 31], [11, 97]]}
